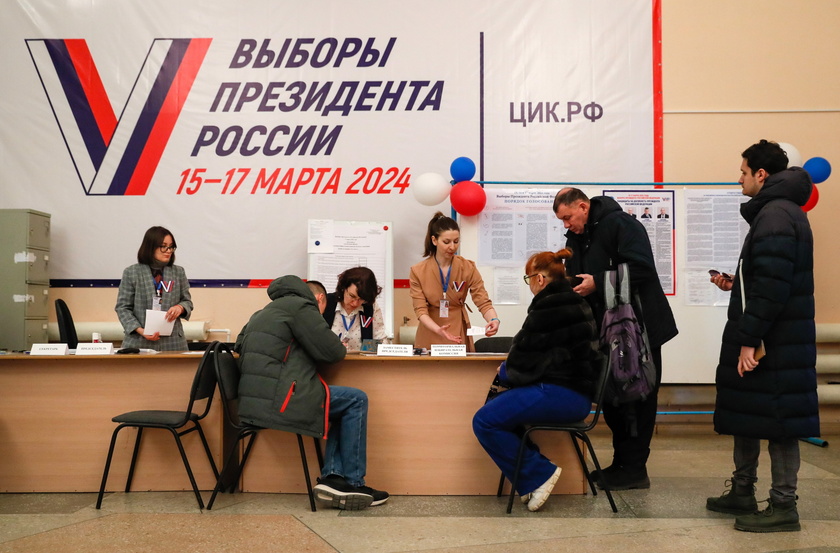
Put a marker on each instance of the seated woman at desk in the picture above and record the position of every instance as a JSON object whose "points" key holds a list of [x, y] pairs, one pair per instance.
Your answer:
{"points": [[154, 283], [352, 311], [551, 370]]}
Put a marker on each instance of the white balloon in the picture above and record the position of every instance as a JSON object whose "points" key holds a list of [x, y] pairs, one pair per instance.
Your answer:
{"points": [[794, 157], [430, 188]]}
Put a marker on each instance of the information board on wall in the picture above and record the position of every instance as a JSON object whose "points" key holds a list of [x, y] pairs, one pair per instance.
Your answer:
{"points": [[335, 246]]}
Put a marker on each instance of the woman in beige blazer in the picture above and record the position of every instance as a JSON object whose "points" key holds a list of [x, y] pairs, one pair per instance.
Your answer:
{"points": [[439, 286]]}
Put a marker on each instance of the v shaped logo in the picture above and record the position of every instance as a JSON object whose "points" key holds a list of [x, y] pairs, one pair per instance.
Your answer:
{"points": [[116, 156]]}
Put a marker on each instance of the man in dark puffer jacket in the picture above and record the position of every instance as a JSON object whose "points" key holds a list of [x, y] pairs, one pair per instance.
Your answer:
{"points": [[774, 398], [280, 388]]}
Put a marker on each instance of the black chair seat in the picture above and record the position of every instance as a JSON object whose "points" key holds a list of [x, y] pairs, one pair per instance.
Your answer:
{"points": [[578, 430], [179, 423], [174, 419]]}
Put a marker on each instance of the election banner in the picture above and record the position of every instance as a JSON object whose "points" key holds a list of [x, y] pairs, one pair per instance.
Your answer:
{"points": [[233, 124]]}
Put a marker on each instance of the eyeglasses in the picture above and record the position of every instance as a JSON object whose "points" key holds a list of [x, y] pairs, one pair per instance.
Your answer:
{"points": [[527, 278], [354, 297], [164, 248]]}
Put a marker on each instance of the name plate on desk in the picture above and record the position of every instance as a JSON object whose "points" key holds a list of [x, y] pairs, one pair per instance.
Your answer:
{"points": [[49, 349], [399, 350], [98, 348], [449, 350]]}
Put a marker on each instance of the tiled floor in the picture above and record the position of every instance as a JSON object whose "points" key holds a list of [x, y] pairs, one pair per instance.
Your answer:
{"points": [[685, 468]]}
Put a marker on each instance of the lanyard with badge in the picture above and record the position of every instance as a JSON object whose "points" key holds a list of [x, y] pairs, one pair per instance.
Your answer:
{"points": [[444, 303], [347, 327], [160, 287]]}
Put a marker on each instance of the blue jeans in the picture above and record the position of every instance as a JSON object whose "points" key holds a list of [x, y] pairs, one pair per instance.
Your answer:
{"points": [[784, 465], [498, 427], [346, 451]]}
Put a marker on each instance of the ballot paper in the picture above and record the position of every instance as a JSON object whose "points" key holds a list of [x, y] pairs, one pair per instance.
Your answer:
{"points": [[156, 322]]}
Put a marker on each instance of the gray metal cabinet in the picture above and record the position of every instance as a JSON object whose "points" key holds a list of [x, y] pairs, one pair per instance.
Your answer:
{"points": [[24, 278]]}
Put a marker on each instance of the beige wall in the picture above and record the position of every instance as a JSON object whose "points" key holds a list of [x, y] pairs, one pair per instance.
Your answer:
{"points": [[736, 72], [733, 72]]}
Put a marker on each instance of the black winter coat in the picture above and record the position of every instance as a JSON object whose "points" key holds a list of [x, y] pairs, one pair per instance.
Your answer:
{"points": [[612, 237], [779, 398], [557, 343]]}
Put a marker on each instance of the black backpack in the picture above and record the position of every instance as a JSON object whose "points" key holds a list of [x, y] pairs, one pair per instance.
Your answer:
{"points": [[632, 371]]}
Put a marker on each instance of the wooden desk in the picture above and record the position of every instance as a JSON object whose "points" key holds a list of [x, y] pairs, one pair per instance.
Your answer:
{"points": [[55, 422], [420, 438], [55, 425]]}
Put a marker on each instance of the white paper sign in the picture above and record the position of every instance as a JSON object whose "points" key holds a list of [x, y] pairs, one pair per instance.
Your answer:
{"points": [[98, 348], [49, 349], [156, 322], [449, 350], [399, 350]]}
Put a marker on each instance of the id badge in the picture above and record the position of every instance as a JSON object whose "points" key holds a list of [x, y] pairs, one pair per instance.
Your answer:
{"points": [[156, 303], [444, 309]]}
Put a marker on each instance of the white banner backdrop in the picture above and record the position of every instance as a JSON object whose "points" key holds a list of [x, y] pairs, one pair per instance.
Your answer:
{"points": [[232, 124]]}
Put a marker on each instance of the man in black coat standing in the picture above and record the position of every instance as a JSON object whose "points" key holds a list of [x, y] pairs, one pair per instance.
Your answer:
{"points": [[602, 236], [772, 302]]}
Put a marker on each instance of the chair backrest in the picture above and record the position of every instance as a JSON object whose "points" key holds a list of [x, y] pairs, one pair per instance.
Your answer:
{"points": [[600, 388], [66, 328], [227, 375], [204, 382], [494, 344]]}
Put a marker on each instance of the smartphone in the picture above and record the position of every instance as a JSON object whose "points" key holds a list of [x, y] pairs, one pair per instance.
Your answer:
{"points": [[726, 276]]}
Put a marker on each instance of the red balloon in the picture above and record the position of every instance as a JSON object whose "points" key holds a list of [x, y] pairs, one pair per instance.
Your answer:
{"points": [[468, 198], [812, 201]]}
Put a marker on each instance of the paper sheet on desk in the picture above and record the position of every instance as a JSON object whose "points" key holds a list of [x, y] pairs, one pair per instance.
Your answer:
{"points": [[156, 322]]}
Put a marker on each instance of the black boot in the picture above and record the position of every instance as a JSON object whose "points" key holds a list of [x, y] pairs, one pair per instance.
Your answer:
{"points": [[739, 499], [779, 516], [623, 478]]}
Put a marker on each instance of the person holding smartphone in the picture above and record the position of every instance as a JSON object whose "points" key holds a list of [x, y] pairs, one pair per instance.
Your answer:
{"points": [[774, 397]]}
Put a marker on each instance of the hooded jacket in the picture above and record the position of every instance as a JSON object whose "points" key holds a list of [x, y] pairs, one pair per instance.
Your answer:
{"points": [[609, 238], [279, 350], [779, 398]]}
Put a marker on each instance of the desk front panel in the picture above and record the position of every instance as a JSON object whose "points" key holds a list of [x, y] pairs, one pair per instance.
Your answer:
{"points": [[55, 422], [420, 438]]}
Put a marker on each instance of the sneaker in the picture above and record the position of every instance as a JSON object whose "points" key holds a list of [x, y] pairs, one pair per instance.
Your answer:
{"points": [[379, 497], [540, 495], [777, 517], [525, 498], [623, 479], [739, 499], [336, 491]]}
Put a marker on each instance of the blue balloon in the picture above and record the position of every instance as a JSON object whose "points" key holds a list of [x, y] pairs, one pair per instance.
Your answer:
{"points": [[819, 168], [462, 169]]}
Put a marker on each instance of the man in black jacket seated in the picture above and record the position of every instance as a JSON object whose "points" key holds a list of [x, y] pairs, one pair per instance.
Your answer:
{"points": [[602, 236]]}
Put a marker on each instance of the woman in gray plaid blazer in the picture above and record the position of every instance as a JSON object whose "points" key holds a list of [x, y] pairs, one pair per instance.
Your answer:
{"points": [[141, 290]]}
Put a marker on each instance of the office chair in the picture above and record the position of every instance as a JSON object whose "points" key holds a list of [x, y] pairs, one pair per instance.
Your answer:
{"points": [[493, 344], [66, 328], [578, 431], [236, 431], [179, 423]]}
